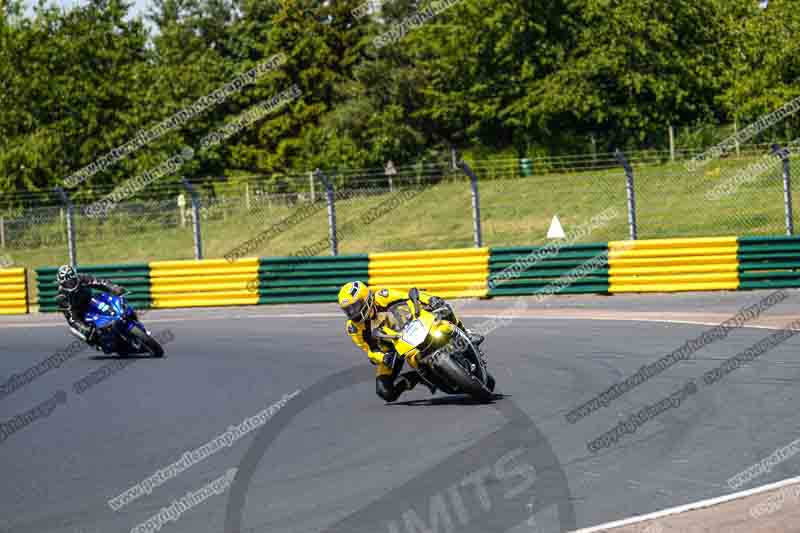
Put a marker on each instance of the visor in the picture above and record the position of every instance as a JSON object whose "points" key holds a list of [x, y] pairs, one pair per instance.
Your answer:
{"points": [[70, 284], [356, 311]]}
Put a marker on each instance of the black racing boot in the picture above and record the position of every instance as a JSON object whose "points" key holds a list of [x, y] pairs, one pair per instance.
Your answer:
{"points": [[411, 380], [490, 383]]}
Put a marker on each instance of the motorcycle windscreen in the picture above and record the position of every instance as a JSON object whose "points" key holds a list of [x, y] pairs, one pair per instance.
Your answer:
{"points": [[103, 310], [398, 315]]}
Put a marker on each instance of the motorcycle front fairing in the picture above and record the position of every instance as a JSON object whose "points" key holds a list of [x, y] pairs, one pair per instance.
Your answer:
{"points": [[112, 315], [420, 335]]}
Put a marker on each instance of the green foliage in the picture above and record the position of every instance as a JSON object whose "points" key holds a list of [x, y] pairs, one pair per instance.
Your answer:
{"points": [[71, 82], [518, 78], [763, 68]]}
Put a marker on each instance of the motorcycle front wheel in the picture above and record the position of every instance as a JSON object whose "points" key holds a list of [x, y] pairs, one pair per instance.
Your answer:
{"points": [[147, 342], [463, 378]]}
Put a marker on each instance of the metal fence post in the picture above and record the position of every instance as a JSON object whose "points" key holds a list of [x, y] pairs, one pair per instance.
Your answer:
{"points": [[331, 210], [631, 192], [390, 172], [787, 187], [2, 232], [671, 143], [476, 203], [198, 242], [70, 225]]}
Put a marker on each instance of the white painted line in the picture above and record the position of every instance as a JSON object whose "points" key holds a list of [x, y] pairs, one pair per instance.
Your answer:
{"points": [[299, 315], [690, 507], [180, 319], [31, 325], [341, 316], [622, 319]]}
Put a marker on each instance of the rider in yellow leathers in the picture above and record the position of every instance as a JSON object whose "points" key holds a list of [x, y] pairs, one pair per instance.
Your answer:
{"points": [[367, 309]]}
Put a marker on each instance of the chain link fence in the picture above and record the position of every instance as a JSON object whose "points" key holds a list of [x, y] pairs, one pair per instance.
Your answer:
{"points": [[680, 205], [416, 207]]}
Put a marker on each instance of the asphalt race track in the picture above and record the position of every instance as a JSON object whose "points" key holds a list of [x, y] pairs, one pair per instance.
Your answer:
{"points": [[336, 458]]}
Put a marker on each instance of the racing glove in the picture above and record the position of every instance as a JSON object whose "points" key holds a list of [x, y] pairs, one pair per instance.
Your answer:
{"points": [[377, 358], [435, 302], [92, 335]]}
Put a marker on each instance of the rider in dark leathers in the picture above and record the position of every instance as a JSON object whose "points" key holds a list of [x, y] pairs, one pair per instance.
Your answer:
{"points": [[74, 295]]}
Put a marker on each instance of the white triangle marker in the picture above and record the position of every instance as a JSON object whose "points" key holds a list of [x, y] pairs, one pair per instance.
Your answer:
{"points": [[555, 231]]}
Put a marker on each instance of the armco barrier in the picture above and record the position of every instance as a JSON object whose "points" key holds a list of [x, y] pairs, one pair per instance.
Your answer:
{"points": [[13, 291], [135, 278], [307, 279], [459, 273], [204, 283], [670, 265], [769, 262], [660, 265], [530, 270]]}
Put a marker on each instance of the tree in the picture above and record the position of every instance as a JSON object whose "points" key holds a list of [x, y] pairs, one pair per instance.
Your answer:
{"points": [[70, 85], [759, 51], [635, 67]]}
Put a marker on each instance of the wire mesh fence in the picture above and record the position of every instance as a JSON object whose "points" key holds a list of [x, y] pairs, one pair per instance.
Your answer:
{"points": [[520, 212], [679, 205], [35, 228], [423, 206]]}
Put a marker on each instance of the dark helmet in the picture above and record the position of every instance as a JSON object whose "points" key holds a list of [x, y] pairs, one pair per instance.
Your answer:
{"points": [[67, 278]]}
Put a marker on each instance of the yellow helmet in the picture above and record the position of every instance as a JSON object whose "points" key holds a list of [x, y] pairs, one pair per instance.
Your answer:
{"points": [[356, 300]]}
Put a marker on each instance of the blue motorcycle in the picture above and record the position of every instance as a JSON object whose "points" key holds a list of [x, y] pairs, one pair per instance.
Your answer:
{"points": [[119, 328]]}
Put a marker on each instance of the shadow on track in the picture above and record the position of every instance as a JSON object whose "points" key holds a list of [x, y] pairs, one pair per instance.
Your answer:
{"points": [[121, 357], [518, 440], [450, 400]]}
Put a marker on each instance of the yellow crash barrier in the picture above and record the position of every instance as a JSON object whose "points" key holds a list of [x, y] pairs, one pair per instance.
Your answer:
{"points": [[672, 265], [13, 291], [206, 283], [459, 273]]}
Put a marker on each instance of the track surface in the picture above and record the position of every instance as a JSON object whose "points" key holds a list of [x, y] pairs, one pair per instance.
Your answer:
{"points": [[350, 449]]}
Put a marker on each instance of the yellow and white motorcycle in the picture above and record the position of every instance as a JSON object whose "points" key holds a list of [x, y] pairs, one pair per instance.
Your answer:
{"points": [[436, 348]]}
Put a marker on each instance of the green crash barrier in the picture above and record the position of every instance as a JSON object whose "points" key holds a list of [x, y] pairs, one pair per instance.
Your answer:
{"points": [[135, 278], [531, 270], [769, 262], [308, 279]]}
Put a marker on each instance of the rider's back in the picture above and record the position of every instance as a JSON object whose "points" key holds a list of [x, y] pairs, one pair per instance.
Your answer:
{"points": [[76, 302]]}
